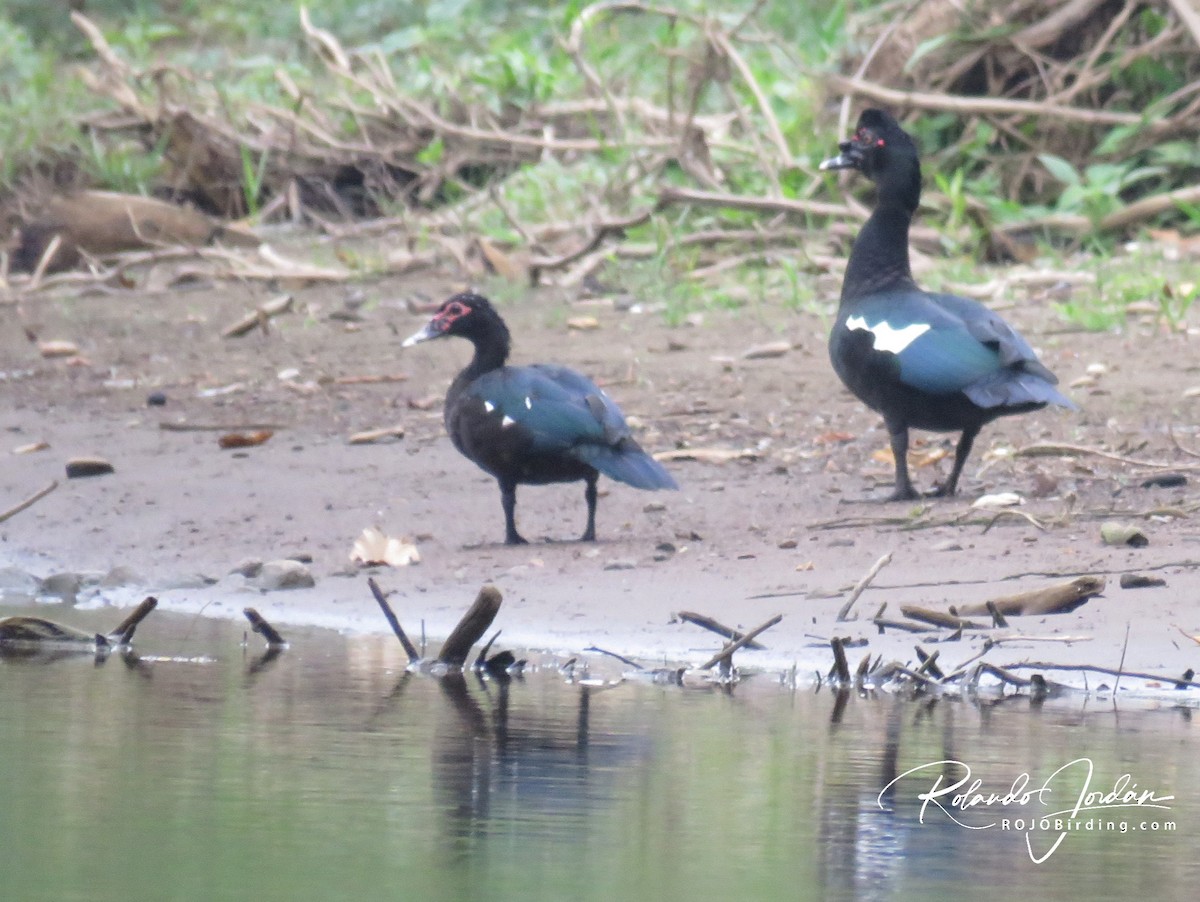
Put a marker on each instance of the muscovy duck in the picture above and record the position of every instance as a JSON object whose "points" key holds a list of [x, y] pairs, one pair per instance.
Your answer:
{"points": [[533, 424], [923, 360]]}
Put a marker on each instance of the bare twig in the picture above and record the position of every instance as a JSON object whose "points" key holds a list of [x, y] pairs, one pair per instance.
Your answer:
{"points": [[30, 501]]}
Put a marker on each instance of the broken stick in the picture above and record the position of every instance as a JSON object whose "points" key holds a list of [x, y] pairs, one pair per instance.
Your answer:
{"points": [[473, 624], [731, 647], [126, 628]]}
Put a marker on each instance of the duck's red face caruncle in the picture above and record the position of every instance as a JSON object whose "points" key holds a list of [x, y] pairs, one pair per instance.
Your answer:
{"points": [[456, 310]]}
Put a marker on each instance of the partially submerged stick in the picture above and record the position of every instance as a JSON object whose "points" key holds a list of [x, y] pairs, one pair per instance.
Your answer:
{"points": [[730, 648], [471, 627], [409, 649], [260, 625], [126, 628]]}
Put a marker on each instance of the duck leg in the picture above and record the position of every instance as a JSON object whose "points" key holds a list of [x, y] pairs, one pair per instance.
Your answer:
{"points": [[589, 494], [508, 500], [961, 453], [904, 491]]}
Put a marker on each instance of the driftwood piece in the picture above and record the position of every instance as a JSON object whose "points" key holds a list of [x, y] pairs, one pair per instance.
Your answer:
{"points": [[720, 629], [929, 664], [1057, 599], [939, 618], [726, 653], [259, 624], [474, 623], [389, 614]]}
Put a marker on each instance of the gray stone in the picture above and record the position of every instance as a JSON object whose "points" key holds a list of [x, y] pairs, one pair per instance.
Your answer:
{"points": [[285, 574]]}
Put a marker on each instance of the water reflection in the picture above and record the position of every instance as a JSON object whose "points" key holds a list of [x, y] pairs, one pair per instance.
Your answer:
{"points": [[329, 772]]}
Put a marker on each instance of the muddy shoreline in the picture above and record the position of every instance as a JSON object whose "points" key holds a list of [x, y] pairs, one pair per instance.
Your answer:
{"points": [[787, 526]]}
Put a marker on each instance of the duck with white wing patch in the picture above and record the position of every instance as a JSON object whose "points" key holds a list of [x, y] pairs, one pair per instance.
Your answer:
{"points": [[923, 360]]}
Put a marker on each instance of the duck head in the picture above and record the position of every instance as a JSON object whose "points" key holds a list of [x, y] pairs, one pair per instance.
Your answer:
{"points": [[468, 315], [882, 151]]}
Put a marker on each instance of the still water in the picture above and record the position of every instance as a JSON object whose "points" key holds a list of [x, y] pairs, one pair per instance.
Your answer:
{"points": [[327, 773]]}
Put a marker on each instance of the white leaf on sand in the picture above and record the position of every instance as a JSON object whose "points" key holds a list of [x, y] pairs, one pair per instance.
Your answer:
{"points": [[1000, 499], [373, 548]]}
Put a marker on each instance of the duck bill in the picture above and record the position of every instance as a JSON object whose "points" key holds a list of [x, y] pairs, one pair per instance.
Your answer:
{"points": [[429, 331], [849, 158]]}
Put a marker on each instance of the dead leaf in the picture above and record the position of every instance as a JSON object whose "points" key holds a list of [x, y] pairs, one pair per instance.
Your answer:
{"points": [[58, 348], [31, 447], [244, 439], [375, 435], [583, 323], [373, 548]]}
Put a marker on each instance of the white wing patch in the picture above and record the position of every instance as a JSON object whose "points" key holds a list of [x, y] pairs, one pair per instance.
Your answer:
{"points": [[887, 338], [529, 402], [506, 422], [489, 406]]}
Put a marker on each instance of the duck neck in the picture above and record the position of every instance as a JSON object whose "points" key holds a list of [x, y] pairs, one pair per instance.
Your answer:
{"points": [[492, 344], [879, 259]]}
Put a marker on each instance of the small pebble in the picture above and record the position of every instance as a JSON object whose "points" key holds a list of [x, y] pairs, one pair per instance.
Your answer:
{"points": [[284, 574], [948, 545], [156, 399]]}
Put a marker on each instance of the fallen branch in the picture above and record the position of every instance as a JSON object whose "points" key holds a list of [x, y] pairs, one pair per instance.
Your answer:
{"points": [[712, 625], [841, 667], [29, 502]]}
